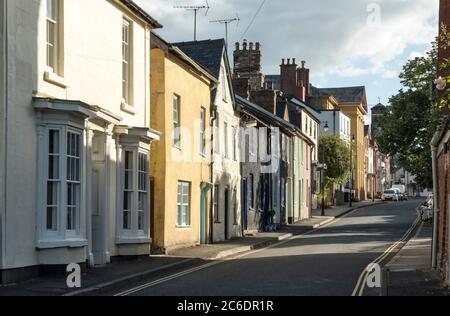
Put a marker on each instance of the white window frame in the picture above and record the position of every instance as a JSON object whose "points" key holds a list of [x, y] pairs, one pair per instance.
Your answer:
{"points": [[224, 85], [61, 236], [134, 232], [176, 108], [54, 63], [216, 203], [226, 140], [185, 218], [202, 131], [127, 61]]}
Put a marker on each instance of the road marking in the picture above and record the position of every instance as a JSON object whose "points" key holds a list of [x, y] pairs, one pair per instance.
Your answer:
{"points": [[361, 283], [238, 256]]}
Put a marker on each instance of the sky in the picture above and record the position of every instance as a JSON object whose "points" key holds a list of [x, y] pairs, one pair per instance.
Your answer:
{"points": [[344, 42]]}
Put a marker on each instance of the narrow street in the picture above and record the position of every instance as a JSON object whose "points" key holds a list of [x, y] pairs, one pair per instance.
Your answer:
{"points": [[327, 261]]}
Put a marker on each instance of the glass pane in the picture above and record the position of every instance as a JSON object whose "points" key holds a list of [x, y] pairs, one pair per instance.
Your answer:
{"points": [[186, 215], [53, 167], [52, 193], [180, 215], [128, 180], [51, 218], [127, 199], [129, 160], [142, 201], [126, 220], [140, 220], [53, 142], [71, 218]]}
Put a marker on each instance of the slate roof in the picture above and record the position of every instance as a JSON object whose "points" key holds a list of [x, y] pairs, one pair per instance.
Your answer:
{"points": [[342, 95], [207, 53], [379, 108], [264, 115]]}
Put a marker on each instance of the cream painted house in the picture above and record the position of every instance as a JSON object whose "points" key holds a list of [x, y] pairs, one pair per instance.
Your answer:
{"points": [[75, 133], [226, 206]]}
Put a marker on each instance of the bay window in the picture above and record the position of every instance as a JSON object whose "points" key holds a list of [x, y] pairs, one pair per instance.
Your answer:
{"points": [[135, 193], [61, 174]]}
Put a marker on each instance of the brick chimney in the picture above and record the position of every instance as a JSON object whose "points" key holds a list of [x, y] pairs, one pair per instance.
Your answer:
{"points": [[288, 76], [267, 99], [303, 80]]}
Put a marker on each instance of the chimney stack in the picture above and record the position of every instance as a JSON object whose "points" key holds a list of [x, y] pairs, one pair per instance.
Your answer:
{"points": [[303, 79], [288, 77]]}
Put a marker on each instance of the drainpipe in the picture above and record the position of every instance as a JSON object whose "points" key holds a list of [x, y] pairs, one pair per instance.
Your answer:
{"points": [[434, 143], [3, 131]]}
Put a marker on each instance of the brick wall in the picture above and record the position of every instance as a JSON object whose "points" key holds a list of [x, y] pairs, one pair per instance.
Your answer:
{"points": [[265, 98], [444, 185]]}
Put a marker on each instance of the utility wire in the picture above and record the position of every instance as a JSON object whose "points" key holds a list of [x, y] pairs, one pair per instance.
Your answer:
{"points": [[253, 20]]}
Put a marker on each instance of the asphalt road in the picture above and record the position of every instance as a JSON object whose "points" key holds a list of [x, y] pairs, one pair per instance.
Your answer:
{"points": [[327, 261]]}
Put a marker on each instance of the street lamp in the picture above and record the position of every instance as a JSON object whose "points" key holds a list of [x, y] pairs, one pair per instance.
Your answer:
{"points": [[326, 128], [350, 198], [323, 167]]}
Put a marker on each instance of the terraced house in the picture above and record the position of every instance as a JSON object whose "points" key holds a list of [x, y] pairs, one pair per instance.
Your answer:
{"points": [[226, 155], [181, 168], [75, 140]]}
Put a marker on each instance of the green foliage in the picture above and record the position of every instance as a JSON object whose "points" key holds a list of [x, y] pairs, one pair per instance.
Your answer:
{"points": [[335, 153], [408, 126]]}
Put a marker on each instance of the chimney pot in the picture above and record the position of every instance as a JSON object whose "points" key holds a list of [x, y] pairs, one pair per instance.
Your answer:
{"points": [[293, 61], [251, 46], [244, 45], [258, 45], [237, 45], [288, 61], [282, 61], [303, 64]]}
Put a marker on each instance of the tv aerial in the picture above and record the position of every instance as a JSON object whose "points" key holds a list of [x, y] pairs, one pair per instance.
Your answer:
{"points": [[226, 22], [195, 9]]}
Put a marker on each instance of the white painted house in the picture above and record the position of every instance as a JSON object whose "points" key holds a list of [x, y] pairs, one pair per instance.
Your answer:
{"points": [[74, 133], [337, 122], [226, 155]]}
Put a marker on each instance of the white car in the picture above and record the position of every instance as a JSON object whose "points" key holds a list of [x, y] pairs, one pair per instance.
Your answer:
{"points": [[390, 195], [399, 193]]}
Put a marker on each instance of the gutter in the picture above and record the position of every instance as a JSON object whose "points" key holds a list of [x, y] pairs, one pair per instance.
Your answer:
{"points": [[434, 146]]}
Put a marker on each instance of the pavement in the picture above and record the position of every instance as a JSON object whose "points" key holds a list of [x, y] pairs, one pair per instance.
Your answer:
{"points": [[409, 273], [105, 279]]}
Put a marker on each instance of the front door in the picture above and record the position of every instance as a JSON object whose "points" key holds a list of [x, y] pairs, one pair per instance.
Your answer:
{"points": [[244, 204], [226, 211], [98, 212]]}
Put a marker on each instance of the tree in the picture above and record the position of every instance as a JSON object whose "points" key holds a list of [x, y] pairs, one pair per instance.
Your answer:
{"points": [[335, 153], [409, 124]]}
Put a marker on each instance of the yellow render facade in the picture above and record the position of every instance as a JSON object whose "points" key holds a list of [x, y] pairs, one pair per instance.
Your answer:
{"points": [[174, 75], [357, 113]]}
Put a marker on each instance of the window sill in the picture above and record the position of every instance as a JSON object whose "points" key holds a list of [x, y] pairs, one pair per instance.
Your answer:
{"points": [[125, 107], [53, 78], [69, 243], [133, 240], [176, 147], [183, 227]]}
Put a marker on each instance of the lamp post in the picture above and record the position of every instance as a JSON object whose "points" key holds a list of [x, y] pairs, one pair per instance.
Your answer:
{"points": [[323, 168], [350, 198]]}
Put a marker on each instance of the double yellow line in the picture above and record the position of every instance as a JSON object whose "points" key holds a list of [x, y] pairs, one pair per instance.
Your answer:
{"points": [[361, 284]]}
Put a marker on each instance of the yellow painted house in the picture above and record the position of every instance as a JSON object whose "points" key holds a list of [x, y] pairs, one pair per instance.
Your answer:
{"points": [[181, 168]]}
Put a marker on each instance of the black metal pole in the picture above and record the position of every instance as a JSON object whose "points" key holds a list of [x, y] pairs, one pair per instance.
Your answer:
{"points": [[351, 176], [323, 191]]}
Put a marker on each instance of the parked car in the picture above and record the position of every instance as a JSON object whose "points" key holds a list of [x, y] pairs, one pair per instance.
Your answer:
{"points": [[402, 191], [401, 195], [390, 195]]}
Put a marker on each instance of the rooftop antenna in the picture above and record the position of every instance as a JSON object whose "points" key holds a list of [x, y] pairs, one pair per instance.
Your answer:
{"points": [[195, 8], [226, 22]]}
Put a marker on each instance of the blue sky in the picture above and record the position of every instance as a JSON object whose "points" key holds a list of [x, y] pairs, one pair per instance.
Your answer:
{"points": [[344, 42]]}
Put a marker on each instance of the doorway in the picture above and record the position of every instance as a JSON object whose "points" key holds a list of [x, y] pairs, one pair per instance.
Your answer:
{"points": [[244, 205], [226, 210]]}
